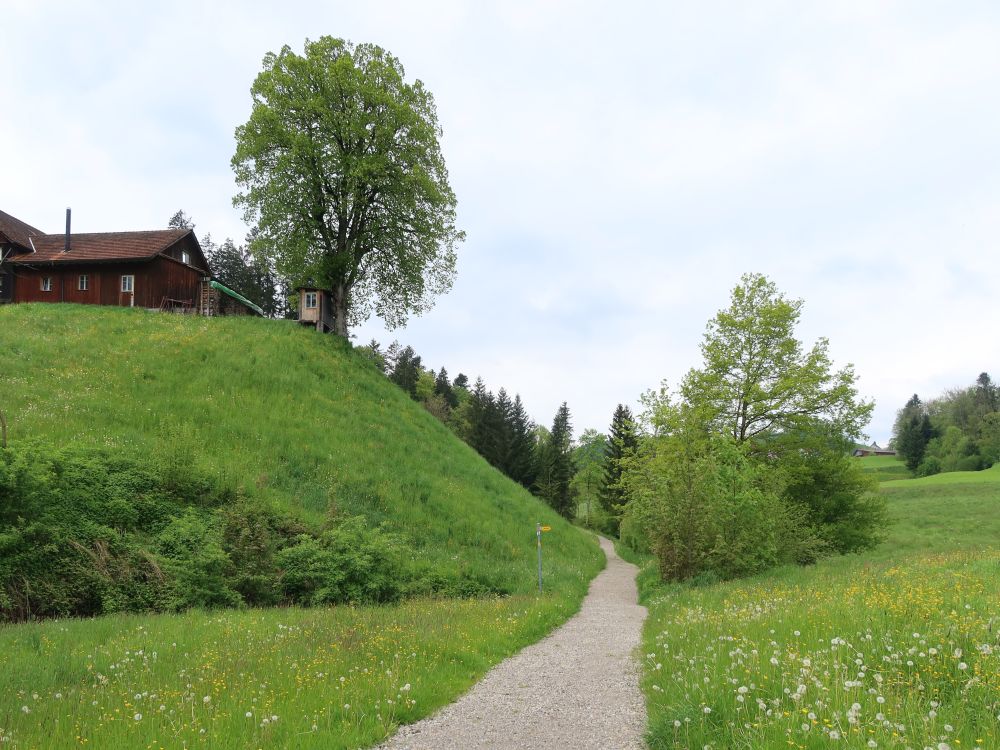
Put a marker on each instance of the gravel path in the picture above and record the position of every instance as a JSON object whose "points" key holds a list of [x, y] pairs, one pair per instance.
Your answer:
{"points": [[576, 688]]}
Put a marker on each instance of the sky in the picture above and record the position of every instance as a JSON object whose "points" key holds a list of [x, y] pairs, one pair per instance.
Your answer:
{"points": [[618, 167]]}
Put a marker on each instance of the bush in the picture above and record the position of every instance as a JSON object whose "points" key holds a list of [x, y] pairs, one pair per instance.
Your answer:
{"points": [[349, 563]]}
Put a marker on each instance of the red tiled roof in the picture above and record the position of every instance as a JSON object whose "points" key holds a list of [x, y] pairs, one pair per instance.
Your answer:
{"points": [[17, 231], [102, 246]]}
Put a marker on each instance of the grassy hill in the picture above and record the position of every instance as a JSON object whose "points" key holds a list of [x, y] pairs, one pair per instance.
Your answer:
{"points": [[896, 648], [884, 467], [295, 423], [291, 417]]}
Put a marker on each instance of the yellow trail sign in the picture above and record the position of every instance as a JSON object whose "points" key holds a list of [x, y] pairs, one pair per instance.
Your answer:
{"points": [[546, 528]]}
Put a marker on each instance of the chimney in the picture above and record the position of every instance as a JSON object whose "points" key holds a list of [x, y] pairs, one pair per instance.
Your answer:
{"points": [[66, 248]]}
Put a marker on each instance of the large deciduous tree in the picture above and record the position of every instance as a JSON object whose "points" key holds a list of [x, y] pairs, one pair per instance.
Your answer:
{"points": [[343, 178], [758, 379]]}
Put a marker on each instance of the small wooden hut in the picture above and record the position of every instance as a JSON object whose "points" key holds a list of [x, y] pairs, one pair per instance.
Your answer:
{"points": [[315, 308]]}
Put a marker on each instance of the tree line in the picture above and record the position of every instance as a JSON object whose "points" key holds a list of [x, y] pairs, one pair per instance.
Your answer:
{"points": [[957, 431], [545, 460]]}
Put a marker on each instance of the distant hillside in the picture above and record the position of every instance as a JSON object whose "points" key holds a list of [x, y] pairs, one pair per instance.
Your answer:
{"points": [[293, 419]]}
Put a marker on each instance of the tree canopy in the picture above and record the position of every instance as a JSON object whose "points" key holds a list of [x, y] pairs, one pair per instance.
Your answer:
{"points": [[758, 379], [343, 178]]}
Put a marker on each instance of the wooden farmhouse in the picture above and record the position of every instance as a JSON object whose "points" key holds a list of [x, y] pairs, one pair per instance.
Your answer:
{"points": [[161, 269]]}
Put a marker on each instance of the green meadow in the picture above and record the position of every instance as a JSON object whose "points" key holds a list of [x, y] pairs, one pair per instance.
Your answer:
{"points": [[297, 421], [884, 467], [897, 648]]}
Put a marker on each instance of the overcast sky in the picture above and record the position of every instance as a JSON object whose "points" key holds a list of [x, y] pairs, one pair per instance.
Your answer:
{"points": [[618, 166]]}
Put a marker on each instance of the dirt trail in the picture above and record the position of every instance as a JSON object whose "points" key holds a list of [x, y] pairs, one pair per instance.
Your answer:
{"points": [[576, 688]]}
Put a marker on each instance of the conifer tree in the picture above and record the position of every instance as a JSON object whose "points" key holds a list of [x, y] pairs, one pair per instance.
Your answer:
{"points": [[622, 442], [443, 389], [556, 465], [406, 371], [521, 450]]}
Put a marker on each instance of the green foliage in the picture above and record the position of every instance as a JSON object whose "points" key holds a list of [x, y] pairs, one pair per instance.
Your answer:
{"points": [[959, 431], [913, 431], [749, 469], [555, 465], [192, 555], [344, 181], [622, 443], [588, 472], [348, 563], [757, 378]]}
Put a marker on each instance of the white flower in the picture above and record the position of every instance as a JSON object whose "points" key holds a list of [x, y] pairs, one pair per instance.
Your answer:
{"points": [[677, 723], [25, 709], [706, 710], [834, 734], [248, 714], [962, 665], [948, 728], [207, 699], [137, 717], [872, 743]]}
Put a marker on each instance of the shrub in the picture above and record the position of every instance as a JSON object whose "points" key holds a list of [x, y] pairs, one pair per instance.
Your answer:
{"points": [[351, 562]]}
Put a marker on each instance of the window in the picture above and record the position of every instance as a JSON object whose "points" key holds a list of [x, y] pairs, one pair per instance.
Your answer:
{"points": [[128, 283], [186, 257], [46, 283], [82, 283], [310, 300]]}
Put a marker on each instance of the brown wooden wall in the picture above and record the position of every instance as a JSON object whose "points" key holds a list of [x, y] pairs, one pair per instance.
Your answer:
{"points": [[154, 280]]}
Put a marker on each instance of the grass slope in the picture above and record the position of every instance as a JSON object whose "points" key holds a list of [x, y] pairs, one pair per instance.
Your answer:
{"points": [[298, 420], [884, 467], [894, 649], [292, 416]]}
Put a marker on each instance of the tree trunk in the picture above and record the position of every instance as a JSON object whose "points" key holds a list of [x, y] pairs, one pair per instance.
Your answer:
{"points": [[339, 302]]}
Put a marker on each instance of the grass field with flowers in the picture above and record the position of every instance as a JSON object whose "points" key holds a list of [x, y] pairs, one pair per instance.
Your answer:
{"points": [[899, 648], [338, 677]]}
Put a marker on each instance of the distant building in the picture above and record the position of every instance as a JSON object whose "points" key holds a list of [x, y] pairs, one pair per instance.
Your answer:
{"points": [[163, 269], [873, 450]]}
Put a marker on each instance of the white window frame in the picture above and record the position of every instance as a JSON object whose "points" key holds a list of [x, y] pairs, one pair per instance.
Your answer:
{"points": [[128, 283], [83, 282], [46, 283], [312, 300], [185, 257]]}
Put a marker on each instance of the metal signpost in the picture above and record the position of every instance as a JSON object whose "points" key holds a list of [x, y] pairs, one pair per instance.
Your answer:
{"points": [[538, 533]]}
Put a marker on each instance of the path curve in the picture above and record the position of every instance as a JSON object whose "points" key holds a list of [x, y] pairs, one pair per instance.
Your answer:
{"points": [[576, 688]]}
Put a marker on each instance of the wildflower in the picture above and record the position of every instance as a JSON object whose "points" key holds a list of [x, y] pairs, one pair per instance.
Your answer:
{"points": [[834, 734], [25, 709], [707, 710], [677, 723], [206, 700], [249, 714], [962, 665], [137, 717]]}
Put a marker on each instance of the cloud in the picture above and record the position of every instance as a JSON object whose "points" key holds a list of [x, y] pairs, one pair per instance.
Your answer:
{"points": [[618, 167]]}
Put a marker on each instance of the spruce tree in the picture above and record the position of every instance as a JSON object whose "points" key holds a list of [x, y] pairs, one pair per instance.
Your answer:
{"points": [[622, 442], [913, 430], [556, 465], [443, 389], [406, 371], [521, 449]]}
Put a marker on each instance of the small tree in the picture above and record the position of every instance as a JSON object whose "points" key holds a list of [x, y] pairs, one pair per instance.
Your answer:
{"points": [[343, 178], [912, 431]]}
